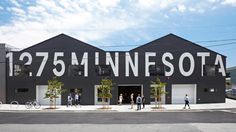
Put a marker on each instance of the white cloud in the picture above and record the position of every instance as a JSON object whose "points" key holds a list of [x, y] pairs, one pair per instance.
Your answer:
{"points": [[108, 3], [85, 20], [17, 11], [181, 8], [229, 2], [15, 3], [89, 20], [1, 8]]}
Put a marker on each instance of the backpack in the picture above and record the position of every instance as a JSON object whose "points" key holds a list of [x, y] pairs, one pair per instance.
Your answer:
{"points": [[139, 100]]}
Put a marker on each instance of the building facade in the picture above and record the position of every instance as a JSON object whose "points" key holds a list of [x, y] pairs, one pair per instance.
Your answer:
{"points": [[185, 67], [232, 78]]}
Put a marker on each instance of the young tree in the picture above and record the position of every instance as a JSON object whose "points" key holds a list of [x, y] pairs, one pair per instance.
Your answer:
{"points": [[157, 91], [105, 91], [53, 91]]}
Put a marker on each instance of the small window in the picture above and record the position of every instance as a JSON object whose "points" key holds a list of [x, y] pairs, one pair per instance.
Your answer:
{"points": [[103, 70], [21, 70], [17, 70], [75, 70], [209, 70], [22, 90], [205, 89], [155, 70]]}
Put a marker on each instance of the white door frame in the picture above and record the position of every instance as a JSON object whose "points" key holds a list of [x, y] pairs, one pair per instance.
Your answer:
{"points": [[96, 96], [37, 91], [195, 92]]}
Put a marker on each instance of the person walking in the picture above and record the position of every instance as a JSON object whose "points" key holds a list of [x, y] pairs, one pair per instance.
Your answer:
{"points": [[132, 100], [76, 99], [138, 101], [120, 99], [143, 101], [69, 100], [186, 100]]}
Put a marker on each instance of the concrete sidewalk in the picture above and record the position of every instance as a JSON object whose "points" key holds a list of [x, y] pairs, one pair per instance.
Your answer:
{"points": [[121, 108]]}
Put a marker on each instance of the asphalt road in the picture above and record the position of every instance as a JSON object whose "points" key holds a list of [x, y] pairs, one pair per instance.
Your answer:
{"points": [[219, 116]]}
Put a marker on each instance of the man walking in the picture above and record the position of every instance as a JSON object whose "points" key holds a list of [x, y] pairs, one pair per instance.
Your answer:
{"points": [[138, 101], [186, 99], [76, 99], [69, 100]]}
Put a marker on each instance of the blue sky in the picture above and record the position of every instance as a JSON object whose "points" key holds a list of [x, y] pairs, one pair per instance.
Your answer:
{"points": [[105, 23]]}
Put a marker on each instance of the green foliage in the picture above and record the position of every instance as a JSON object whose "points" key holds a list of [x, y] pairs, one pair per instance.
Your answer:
{"points": [[54, 89], [157, 90], [105, 88]]}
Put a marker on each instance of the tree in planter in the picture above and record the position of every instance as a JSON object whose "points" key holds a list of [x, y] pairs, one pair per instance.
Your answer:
{"points": [[53, 91], [105, 91], [157, 91]]}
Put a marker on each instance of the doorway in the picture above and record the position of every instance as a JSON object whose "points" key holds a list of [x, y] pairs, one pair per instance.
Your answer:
{"points": [[127, 90]]}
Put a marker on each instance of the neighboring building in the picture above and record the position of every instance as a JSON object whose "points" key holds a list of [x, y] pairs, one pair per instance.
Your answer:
{"points": [[232, 78], [187, 68]]}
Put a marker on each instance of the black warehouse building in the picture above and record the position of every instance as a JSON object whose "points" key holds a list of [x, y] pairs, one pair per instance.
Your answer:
{"points": [[185, 67]]}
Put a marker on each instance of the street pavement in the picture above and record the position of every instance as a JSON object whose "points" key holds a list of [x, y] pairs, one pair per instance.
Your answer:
{"points": [[123, 108], [208, 121], [218, 117], [213, 116]]}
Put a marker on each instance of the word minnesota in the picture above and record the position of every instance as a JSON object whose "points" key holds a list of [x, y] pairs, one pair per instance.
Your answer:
{"points": [[131, 62]]}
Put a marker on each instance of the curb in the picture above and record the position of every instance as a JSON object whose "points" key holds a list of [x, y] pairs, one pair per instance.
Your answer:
{"points": [[105, 111]]}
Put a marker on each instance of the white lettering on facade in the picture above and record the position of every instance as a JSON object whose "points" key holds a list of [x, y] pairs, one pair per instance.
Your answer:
{"points": [[192, 64], [10, 60], [109, 61], [74, 60], [148, 63], [60, 62], [42, 65], [27, 55], [129, 62], [96, 58], [203, 56], [165, 62], [133, 65], [219, 62], [84, 62]]}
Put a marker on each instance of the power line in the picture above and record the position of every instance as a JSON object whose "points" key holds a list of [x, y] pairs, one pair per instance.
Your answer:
{"points": [[210, 41], [204, 41]]}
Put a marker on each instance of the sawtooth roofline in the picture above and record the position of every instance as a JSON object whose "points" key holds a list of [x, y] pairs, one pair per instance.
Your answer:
{"points": [[61, 35], [169, 35], [175, 36]]}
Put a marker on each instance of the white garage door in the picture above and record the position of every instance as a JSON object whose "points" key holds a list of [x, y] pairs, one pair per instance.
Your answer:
{"points": [[179, 91], [40, 94]]}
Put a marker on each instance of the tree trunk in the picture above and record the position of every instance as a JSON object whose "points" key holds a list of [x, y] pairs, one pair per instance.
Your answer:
{"points": [[55, 101], [103, 103], [155, 102], [51, 103], [159, 103]]}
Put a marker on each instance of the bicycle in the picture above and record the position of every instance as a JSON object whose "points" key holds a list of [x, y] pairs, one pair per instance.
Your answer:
{"points": [[34, 103], [14, 103]]}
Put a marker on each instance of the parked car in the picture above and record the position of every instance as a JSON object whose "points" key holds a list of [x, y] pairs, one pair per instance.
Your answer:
{"points": [[231, 93]]}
